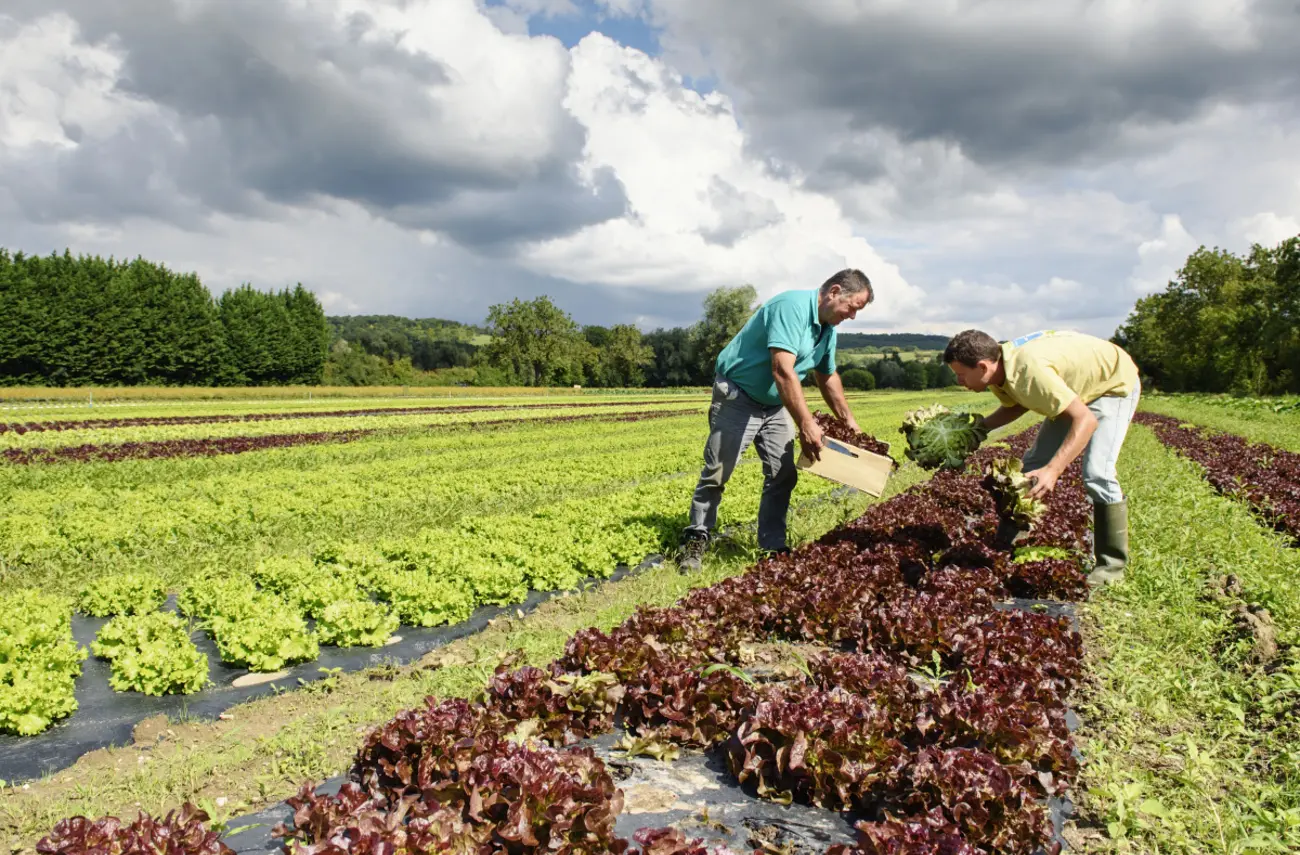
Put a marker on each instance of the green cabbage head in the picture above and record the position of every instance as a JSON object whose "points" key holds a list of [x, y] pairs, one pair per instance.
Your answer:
{"points": [[938, 438]]}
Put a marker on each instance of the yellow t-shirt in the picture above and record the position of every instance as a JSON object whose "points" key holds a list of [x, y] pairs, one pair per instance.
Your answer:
{"points": [[1046, 370]]}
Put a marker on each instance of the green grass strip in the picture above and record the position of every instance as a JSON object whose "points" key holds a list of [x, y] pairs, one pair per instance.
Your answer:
{"points": [[1188, 746]]}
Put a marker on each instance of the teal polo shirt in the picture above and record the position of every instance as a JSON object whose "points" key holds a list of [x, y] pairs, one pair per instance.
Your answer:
{"points": [[788, 322]]}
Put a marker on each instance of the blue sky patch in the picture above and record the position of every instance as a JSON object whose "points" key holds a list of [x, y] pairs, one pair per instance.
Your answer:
{"points": [[570, 29]]}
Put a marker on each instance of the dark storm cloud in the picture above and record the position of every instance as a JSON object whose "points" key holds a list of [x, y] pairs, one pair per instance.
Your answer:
{"points": [[996, 78], [586, 304], [262, 101], [489, 218]]}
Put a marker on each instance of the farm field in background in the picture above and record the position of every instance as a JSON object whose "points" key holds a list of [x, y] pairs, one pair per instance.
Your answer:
{"points": [[394, 421], [1275, 421], [37, 397], [68, 523], [260, 527]]}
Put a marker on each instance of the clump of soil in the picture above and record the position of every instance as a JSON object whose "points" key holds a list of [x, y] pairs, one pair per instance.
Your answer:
{"points": [[1251, 619]]}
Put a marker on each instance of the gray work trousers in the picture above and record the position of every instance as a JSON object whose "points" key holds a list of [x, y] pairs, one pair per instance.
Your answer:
{"points": [[1102, 452], [736, 420]]}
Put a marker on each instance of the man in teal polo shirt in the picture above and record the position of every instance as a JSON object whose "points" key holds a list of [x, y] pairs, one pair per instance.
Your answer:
{"points": [[758, 398]]}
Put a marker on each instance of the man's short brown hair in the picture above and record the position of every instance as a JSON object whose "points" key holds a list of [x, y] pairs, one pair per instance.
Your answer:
{"points": [[851, 281], [970, 347]]}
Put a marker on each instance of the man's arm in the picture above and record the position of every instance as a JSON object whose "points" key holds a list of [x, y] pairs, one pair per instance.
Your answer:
{"points": [[1003, 415], [1082, 426], [833, 394], [791, 392]]}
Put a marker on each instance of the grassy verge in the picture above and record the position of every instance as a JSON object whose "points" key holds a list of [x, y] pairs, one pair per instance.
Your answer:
{"points": [[1189, 745], [267, 747]]}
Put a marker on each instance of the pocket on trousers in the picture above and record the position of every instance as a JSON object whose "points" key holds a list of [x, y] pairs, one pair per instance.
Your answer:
{"points": [[729, 390]]}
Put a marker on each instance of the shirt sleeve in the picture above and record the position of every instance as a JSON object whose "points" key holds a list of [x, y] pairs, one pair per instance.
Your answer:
{"points": [[1042, 390], [784, 323], [827, 365]]}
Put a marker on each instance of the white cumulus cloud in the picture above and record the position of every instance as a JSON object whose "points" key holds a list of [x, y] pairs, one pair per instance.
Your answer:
{"points": [[54, 90], [703, 210], [1160, 257], [1267, 228]]}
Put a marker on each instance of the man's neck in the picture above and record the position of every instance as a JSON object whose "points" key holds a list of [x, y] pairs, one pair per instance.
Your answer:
{"points": [[1000, 376]]}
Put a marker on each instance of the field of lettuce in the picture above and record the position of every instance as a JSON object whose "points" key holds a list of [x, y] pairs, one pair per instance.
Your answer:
{"points": [[906, 670], [277, 540]]}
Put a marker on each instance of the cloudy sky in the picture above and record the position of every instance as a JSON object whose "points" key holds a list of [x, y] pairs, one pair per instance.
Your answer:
{"points": [[989, 163]]}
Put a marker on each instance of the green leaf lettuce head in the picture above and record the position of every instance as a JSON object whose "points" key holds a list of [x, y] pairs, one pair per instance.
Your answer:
{"points": [[1005, 479], [152, 654], [122, 594], [356, 623], [419, 598], [268, 637], [39, 661], [218, 592], [938, 438]]}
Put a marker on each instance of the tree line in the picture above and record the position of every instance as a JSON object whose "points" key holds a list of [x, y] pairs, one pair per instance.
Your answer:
{"points": [[86, 321], [891, 372], [71, 321], [898, 341], [1226, 323], [428, 343], [535, 343]]}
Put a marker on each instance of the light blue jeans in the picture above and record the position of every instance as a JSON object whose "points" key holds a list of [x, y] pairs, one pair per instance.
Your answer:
{"points": [[1099, 457], [736, 420]]}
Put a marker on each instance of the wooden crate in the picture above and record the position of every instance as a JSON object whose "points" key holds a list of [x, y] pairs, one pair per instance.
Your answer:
{"points": [[850, 465]]}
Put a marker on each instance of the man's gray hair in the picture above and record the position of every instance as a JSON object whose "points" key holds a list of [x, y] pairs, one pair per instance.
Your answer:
{"points": [[851, 281]]}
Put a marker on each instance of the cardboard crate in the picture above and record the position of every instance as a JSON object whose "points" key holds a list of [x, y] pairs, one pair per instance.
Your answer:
{"points": [[849, 465]]}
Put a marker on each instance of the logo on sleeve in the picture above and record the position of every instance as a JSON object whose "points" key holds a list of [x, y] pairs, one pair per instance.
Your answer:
{"points": [[1025, 339]]}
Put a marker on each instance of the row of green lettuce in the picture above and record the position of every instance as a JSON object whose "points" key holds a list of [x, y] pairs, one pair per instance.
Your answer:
{"points": [[67, 525], [23, 435], [346, 593]]}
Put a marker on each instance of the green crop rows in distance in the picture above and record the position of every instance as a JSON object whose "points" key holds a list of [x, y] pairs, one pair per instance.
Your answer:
{"points": [[77, 408], [412, 423], [67, 524], [1255, 423]]}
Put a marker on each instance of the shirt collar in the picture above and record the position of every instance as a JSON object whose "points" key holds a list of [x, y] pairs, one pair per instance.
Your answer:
{"points": [[816, 319]]}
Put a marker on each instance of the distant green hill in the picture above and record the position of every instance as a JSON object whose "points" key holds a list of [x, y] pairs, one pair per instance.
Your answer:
{"points": [[429, 343], [349, 326], [432, 343], [920, 341]]}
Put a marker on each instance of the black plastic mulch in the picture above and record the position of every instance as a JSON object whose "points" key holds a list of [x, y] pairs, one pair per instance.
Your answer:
{"points": [[695, 793], [107, 718]]}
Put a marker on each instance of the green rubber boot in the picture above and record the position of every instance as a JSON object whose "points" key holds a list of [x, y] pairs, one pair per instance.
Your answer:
{"points": [[1110, 542]]}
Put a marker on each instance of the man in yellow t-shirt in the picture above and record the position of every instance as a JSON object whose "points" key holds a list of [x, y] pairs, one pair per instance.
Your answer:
{"points": [[1088, 389]]}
